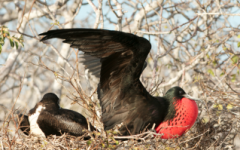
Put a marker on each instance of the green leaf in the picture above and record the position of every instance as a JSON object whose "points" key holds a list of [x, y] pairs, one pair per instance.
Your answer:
{"points": [[117, 142], [168, 66], [97, 133], [0, 48], [89, 142], [238, 36], [21, 39], [223, 73], [235, 59], [103, 145], [2, 37], [170, 148], [16, 43], [210, 72], [205, 119], [115, 132], [4, 28], [207, 56], [218, 106], [6, 33], [108, 131], [55, 23], [11, 42], [238, 45], [233, 77], [215, 62], [229, 106], [1, 41]]}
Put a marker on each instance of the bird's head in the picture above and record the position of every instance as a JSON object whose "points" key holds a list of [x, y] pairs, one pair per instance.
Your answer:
{"points": [[50, 99]]}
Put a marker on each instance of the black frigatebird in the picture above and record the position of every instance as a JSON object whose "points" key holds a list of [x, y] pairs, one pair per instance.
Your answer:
{"points": [[48, 118], [123, 98]]}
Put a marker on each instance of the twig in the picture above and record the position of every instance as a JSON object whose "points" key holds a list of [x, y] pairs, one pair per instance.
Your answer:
{"points": [[225, 14], [56, 51], [137, 136]]}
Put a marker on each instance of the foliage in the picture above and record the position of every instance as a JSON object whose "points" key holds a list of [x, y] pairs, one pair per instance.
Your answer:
{"points": [[4, 33]]}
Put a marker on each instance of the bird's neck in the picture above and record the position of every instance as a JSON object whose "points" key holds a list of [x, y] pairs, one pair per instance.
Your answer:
{"points": [[173, 105]]}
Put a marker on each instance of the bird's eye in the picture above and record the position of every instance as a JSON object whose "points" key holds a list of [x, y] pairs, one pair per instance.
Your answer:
{"points": [[180, 92]]}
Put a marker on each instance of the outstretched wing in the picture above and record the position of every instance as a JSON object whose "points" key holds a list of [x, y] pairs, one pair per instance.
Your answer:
{"points": [[91, 63], [122, 96]]}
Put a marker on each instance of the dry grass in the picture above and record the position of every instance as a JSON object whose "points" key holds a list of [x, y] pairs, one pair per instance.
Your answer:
{"points": [[215, 128]]}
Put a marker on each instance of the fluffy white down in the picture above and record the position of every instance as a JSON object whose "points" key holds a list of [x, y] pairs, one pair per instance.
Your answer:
{"points": [[34, 128]]}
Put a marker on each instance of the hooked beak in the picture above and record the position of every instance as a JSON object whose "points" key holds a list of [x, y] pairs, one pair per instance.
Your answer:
{"points": [[192, 98]]}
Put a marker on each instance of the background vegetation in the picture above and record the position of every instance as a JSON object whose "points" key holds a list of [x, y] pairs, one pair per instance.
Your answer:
{"points": [[195, 45]]}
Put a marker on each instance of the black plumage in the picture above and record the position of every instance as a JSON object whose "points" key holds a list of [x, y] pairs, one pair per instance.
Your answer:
{"points": [[122, 96], [51, 119]]}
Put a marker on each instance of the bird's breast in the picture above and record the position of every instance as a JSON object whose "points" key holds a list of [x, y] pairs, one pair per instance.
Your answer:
{"points": [[186, 115], [34, 127]]}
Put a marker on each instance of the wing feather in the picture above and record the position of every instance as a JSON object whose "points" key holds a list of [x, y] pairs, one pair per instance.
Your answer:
{"points": [[122, 56]]}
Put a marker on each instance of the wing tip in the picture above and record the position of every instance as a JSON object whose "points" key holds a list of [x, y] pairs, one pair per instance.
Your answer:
{"points": [[45, 35], [48, 35]]}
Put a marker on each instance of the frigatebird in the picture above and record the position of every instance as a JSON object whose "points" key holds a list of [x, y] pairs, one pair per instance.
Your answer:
{"points": [[123, 98], [48, 118]]}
